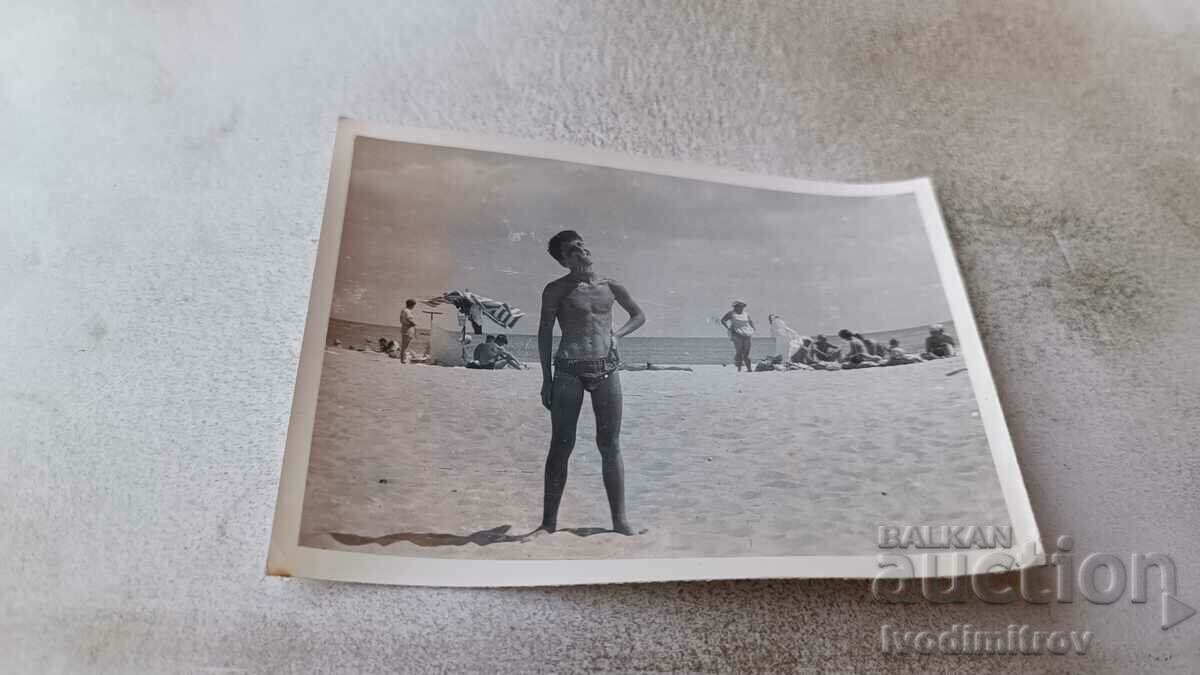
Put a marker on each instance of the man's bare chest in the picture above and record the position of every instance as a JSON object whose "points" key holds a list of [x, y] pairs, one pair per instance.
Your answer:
{"points": [[586, 299]]}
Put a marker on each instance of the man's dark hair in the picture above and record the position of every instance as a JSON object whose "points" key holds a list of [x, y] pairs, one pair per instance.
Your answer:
{"points": [[557, 241], [502, 339], [894, 342], [410, 303], [491, 338], [845, 334]]}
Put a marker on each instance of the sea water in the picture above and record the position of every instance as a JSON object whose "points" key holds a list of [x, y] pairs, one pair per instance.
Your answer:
{"points": [[716, 350]]}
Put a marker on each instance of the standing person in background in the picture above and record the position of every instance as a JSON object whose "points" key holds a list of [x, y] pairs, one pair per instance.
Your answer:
{"points": [[408, 328], [787, 341], [467, 311], [741, 329]]}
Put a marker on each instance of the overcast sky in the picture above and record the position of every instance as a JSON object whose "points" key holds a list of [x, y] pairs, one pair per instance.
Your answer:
{"points": [[421, 220]]}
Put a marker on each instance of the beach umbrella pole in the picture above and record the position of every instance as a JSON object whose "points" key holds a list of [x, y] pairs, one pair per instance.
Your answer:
{"points": [[429, 345]]}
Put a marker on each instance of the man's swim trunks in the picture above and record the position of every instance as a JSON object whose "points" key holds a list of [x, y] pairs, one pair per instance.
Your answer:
{"points": [[590, 372]]}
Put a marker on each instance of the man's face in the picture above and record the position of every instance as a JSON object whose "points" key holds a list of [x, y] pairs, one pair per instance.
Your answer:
{"points": [[575, 253]]}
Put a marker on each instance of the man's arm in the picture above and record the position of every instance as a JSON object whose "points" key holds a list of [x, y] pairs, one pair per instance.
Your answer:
{"points": [[636, 317], [549, 314]]}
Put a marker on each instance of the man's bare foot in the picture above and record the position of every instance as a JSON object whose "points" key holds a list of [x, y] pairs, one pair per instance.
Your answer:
{"points": [[628, 530]]}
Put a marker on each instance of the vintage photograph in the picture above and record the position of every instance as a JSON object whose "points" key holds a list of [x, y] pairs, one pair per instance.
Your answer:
{"points": [[530, 364]]}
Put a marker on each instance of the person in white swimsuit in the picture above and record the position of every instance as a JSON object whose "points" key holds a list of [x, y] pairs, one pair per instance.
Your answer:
{"points": [[741, 329]]}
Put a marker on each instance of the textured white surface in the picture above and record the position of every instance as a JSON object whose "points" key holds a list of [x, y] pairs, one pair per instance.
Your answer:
{"points": [[163, 179]]}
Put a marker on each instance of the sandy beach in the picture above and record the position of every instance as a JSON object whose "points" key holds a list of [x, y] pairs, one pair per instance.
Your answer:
{"points": [[427, 461]]}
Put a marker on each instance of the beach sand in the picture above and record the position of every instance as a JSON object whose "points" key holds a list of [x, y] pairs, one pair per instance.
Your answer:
{"points": [[426, 461]]}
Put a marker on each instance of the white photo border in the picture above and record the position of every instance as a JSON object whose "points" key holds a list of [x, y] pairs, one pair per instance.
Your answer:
{"points": [[287, 558]]}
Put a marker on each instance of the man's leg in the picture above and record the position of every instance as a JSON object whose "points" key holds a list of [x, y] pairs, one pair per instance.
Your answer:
{"points": [[564, 416], [405, 340], [607, 404]]}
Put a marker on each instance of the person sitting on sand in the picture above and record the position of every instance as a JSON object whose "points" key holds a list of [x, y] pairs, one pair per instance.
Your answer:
{"points": [[503, 357], [486, 355], [897, 356], [857, 354], [741, 329], [873, 347], [882, 350], [823, 350], [804, 352], [806, 358], [939, 345]]}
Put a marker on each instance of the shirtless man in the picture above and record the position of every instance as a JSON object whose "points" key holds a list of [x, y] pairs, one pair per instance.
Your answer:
{"points": [[857, 353], [587, 360]]}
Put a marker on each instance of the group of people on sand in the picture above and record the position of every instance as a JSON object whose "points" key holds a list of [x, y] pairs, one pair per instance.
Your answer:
{"points": [[794, 351], [491, 354]]}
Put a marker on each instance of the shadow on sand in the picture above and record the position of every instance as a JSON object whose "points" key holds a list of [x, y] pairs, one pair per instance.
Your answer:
{"points": [[496, 535]]}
